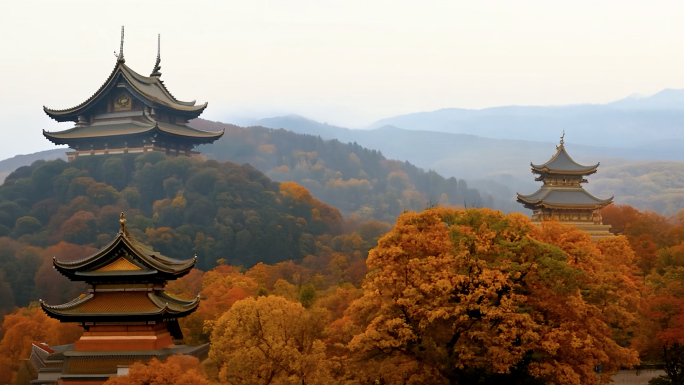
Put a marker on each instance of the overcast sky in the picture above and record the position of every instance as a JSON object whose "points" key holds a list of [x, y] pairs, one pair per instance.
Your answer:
{"points": [[346, 62]]}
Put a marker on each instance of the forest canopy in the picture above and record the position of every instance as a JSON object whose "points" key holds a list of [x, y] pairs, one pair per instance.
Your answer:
{"points": [[360, 182]]}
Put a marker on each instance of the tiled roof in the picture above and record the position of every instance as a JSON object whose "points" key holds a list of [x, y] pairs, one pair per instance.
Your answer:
{"points": [[150, 88], [125, 250], [563, 197], [101, 130], [128, 128], [182, 130], [106, 362], [561, 162], [118, 304]]}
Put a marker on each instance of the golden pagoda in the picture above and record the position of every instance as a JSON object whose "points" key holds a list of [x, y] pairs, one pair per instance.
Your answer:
{"points": [[562, 197], [131, 113], [126, 315]]}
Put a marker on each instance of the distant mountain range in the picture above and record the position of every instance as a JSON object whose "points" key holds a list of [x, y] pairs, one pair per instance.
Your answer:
{"points": [[630, 122], [492, 148]]}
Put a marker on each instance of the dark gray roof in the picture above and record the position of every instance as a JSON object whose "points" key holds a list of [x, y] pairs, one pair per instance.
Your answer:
{"points": [[102, 130], [562, 162], [563, 197], [150, 88], [125, 254]]}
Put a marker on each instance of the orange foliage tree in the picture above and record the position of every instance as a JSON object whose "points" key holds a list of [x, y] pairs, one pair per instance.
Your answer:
{"points": [[221, 288], [26, 326], [661, 340], [320, 215], [176, 370], [476, 297]]}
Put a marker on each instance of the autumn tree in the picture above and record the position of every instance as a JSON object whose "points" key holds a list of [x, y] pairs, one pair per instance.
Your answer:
{"points": [[221, 287], [25, 326], [661, 340], [175, 370], [458, 297], [270, 340], [54, 288]]}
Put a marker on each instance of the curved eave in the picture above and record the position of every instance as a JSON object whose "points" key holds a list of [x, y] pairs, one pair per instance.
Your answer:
{"points": [[530, 198], [153, 261], [186, 133], [546, 170], [72, 134], [136, 84], [116, 273], [559, 163], [165, 307], [189, 132], [70, 114], [540, 198], [571, 207]]}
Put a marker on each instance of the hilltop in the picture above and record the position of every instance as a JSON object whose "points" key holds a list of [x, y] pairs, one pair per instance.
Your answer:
{"points": [[361, 182]]}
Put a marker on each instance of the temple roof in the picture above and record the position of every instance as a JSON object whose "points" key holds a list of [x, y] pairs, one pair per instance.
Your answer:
{"points": [[106, 362], [121, 305], [149, 89], [562, 163], [103, 364], [125, 260], [118, 129], [563, 198]]}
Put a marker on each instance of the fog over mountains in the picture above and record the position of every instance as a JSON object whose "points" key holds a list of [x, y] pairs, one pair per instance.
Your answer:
{"points": [[625, 123], [492, 148]]}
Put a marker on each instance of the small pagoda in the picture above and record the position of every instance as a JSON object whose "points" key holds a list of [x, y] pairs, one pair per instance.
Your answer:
{"points": [[126, 315], [562, 197], [131, 113]]}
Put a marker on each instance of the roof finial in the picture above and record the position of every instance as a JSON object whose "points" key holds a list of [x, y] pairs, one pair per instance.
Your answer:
{"points": [[157, 67], [562, 141], [122, 220], [120, 55]]}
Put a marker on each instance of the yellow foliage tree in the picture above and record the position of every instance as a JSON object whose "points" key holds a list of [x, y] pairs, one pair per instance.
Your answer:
{"points": [[270, 340], [176, 370], [460, 297]]}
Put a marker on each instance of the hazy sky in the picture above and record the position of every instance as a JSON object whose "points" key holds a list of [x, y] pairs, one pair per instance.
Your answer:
{"points": [[345, 62]]}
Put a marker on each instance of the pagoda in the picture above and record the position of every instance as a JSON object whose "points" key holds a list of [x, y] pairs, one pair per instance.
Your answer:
{"points": [[562, 197], [126, 314], [131, 113]]}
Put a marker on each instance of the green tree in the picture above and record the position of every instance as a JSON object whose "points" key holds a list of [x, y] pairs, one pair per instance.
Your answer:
{"points": [[26, 225]]}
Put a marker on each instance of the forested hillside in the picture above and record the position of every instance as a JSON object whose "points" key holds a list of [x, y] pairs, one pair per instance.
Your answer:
{"points": [[453, 297], [360, 182], [180, 206], [656, 186]]}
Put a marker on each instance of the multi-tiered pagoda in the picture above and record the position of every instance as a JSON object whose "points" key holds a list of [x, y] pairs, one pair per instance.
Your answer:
{"points": [[126, 315], [130, 113], [562, 197]]}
